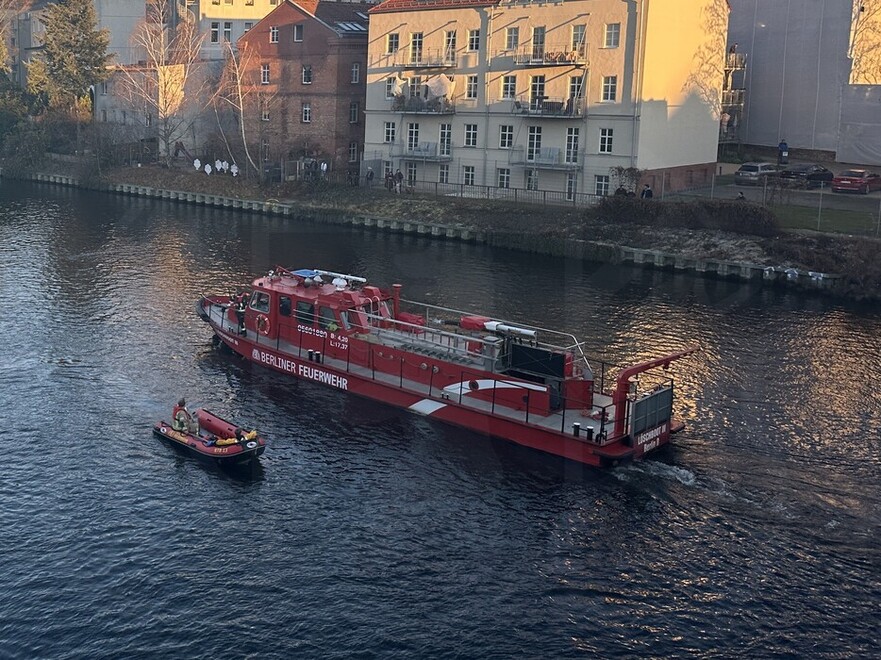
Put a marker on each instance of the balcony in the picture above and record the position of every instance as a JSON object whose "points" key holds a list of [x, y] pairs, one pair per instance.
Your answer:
{"points": [[732, 97], [735, 61], [438, 58], [551, 55], [416, 105], [552, 108], [547, 158], [423, 151]]}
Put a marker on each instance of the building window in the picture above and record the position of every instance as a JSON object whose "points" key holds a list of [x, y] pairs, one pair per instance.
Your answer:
{"points": [[446, 139], [264, 115], [509, 87], [273, 34], [411, 174], [536, 91], [579, 33], [412, 136], [356, 73], [415, 87], [512, 38], [390, 130], [392, 43], [214, 36], [249, 3], [470, 135], [576, 87], [354, 112], [504, 177], [605, 140], [468, 175], [264, 74], [353, 152], [538, 43], [307, 74], [248, 25], [103, 115], [227, 31], [506, 136], [298, 32], [571, 185], [473, 40], [613, 35], [390, 88], [572, 136], [307, 112], [443, 173], [610, 88], [148, 120], [415, 48], [104, 88], [532, 179], [601, 184], [533, 144], [450, 46], [471, 87]]}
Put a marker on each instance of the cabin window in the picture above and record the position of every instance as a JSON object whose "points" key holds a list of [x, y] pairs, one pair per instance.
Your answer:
{"points": [[284, 306], [305, 312], [327, 319], [260, 301], [344, 319]]}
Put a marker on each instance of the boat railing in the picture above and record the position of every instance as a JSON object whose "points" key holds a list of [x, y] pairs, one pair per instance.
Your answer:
{"points": [[569, 342], [451, 343]]}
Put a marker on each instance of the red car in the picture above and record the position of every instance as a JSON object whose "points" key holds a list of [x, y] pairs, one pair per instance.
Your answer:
{"points": [[861, 181]]}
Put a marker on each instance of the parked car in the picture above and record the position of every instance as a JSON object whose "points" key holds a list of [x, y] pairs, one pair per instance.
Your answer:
{"points": [[861, 181], [753, 174], [806, 176]]}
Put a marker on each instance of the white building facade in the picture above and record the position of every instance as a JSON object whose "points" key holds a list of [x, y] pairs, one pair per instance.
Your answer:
{"points": [[545, 95]]}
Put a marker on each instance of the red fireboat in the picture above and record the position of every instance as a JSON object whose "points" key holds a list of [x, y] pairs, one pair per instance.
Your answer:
{"points": [[528, 385]]}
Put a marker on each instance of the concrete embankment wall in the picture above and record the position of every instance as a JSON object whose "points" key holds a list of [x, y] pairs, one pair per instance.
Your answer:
{"points": [[554, 246]]}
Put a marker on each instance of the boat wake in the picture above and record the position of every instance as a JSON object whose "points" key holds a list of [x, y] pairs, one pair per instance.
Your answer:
{"points": [[655, 469]]}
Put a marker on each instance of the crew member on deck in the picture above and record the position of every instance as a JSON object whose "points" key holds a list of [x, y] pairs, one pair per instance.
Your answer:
{"points": [[182, 420], [241, 301]]}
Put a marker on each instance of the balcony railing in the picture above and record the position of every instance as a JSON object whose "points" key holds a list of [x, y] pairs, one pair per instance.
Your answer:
{"points": [[427, 151], [438, 105], [735, 61], [547, 55], [547, 158], [732, 97], [427, 58], [549, 107]]}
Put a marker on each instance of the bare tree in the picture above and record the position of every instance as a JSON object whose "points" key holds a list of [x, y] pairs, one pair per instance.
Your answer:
{"points": [[240, 92], [865, 43], [170, 81]]}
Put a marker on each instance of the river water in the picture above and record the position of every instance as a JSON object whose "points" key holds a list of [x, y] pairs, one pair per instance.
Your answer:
{"points": [[369, 532]]}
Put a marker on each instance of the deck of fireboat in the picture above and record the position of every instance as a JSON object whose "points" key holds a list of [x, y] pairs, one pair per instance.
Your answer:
{"points": [[561, 421]]}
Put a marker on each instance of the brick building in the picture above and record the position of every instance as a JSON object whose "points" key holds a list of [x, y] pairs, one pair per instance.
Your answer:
{"points": [[305, 67]]}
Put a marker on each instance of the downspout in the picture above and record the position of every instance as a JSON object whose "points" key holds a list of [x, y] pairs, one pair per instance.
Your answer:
{"points": [[638, 60], [486, 75]]}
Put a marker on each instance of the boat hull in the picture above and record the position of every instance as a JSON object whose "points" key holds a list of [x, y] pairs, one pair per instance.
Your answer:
{"points": [[203, 445], [559, 442]]}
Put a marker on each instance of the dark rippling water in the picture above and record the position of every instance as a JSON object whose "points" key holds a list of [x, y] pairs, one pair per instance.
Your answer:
{"points": [[372, 533]]}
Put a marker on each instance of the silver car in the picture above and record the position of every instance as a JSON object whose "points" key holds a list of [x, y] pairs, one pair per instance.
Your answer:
{"points": [[753, 174]]}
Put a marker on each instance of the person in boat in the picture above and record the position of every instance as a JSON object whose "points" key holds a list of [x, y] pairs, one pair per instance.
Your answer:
{"points": [[182, 420], [241, 301]]}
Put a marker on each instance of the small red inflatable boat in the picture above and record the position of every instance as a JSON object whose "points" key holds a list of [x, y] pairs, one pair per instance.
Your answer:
{"points": [[216, 439]]}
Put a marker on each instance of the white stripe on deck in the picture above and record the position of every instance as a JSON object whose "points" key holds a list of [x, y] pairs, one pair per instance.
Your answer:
{"points": [[427, 406]]}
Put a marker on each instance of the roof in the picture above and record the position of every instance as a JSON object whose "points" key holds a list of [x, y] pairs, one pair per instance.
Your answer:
{"points": [[421, 5], [345, 17]]}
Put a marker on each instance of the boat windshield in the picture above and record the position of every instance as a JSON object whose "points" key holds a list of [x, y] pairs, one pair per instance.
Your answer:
{"points": [[260, 301]]}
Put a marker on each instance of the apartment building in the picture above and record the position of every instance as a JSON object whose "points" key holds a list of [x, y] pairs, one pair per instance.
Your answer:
{"points": [[305, 65], [814, 75], [118, 17], [545, 95]]}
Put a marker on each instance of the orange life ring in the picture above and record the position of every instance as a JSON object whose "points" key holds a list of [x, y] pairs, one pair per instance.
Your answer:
{"points": [[263, 324]]}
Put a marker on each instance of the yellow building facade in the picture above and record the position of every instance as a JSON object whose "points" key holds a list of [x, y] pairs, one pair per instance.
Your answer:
{"points": [[545, 96]]}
